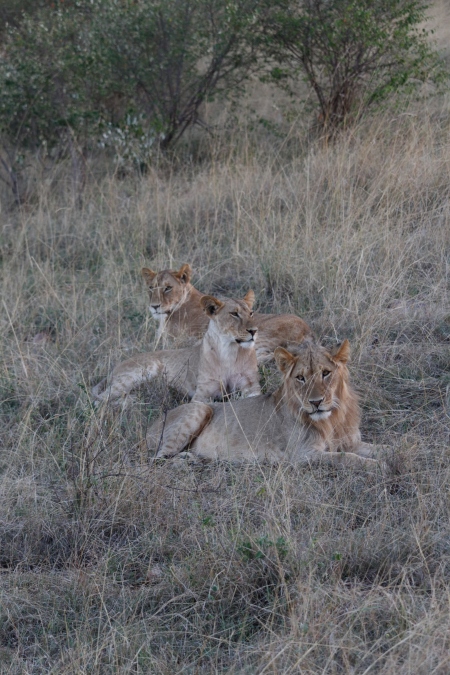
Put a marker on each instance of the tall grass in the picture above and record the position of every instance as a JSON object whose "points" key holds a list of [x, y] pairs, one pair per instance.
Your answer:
{"points": [[110, 564]]}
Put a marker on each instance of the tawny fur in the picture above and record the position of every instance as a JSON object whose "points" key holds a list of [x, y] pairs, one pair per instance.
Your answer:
{"points": [[176, 304], [223, 363], [313, 416]]}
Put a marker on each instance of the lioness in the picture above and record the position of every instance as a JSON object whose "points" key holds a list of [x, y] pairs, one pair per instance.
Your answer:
{"points": [[313, 415], [176, 304], [224, 362]]}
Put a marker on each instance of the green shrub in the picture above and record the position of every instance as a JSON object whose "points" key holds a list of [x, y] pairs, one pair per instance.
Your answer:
{"points": [[166, 58], [12, 11], [352, 53], [45, 81], [121, 71]]}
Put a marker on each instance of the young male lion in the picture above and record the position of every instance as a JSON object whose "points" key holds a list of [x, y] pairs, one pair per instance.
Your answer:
{"points": [[314, 415], [224, 362], [176, 304]]}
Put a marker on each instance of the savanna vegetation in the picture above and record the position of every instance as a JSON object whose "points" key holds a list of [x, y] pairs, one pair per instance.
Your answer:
{"points": [[112, 564]]}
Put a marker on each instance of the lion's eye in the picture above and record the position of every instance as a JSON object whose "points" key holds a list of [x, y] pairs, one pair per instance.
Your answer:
{"points": [[325, 373], [300, 378], [235, 314], [167, 289]]}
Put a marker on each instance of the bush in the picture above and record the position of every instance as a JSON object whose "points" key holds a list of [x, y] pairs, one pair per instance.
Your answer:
{"points": [[45, 81], [12, 11], [118, 69], [352, 53], [166, 58]]}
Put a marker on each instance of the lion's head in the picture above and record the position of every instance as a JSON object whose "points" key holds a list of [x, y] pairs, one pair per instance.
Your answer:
{"points": [[167, 289], [315, 380], [232, 320]]}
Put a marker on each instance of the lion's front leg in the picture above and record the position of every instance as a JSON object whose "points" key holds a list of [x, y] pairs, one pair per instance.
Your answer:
{"points": [[352, 444], [175, 431], [372, 453], [367, 450], [214, 389], [207, 389], [323, 455], [249, 386], [125, 377], [345, 458]]}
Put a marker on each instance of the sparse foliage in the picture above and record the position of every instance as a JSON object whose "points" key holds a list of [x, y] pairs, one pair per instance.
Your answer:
{"points": [[166, 58], [352, 53], [119, 71]]}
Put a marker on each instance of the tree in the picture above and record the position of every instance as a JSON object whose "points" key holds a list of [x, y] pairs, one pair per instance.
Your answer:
{"points": [[90, 66], [165, 58], [352, 53]]}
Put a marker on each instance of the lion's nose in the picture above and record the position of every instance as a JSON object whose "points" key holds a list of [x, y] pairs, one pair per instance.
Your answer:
{"points": [[252, 331], [155, 307], [315, 402]]}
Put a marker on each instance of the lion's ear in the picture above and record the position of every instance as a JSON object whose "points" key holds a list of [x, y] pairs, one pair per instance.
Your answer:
{"points": [[184, 274], [148, 275], [211, 305], [284, 359], [341, 354], [249, 299]]}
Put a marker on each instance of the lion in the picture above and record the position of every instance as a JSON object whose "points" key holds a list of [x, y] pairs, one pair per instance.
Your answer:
{"points": [[314, 415], [224, 363], [176, 304]]}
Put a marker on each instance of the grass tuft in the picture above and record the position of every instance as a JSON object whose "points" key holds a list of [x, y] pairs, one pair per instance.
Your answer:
{"points": [[111, 563]]}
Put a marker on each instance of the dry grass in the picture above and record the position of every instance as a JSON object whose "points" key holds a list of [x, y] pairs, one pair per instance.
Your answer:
{"points": [[110, 564]]}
